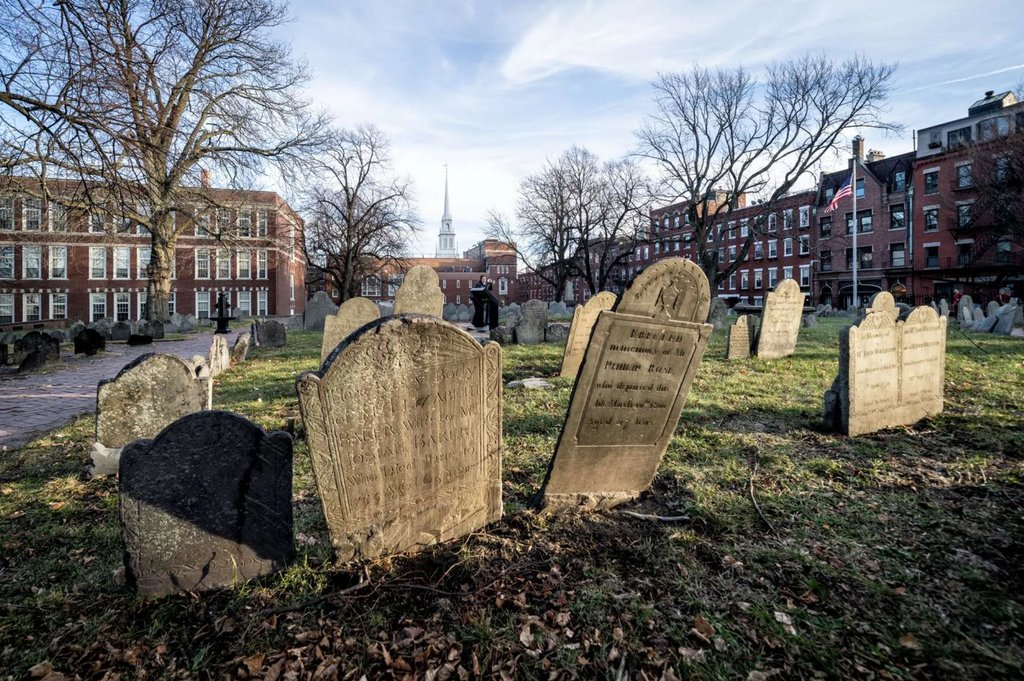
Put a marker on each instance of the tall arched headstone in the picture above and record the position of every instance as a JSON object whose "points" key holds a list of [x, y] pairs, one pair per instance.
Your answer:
{"points": [[780, 322], [352, 314], [420, 293], [631, 388]]}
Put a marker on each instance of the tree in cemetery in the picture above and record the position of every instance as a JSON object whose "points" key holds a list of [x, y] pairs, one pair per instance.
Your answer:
{"points": [[130, 103], [721, 136], [360, 219], [578, 217]]}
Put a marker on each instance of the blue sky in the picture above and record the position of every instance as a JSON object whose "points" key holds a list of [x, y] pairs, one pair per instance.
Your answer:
{"points": [[496, 88]]}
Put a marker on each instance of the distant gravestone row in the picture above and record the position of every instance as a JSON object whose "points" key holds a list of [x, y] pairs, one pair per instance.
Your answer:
{"points": [[890, 372], [780, 325]]}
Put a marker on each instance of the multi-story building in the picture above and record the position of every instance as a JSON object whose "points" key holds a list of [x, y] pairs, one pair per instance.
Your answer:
{"points": [[883, 236], [960, 239], [59, 264]]}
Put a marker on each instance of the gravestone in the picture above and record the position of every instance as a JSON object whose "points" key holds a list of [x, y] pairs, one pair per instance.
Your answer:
{"points": [[176, 319], [205, 504], [75, 329], [943, 308], [780, 322], [33, 360], [33, 341], [451, 312], [557, 308], [220, 355], [272, 334], [884, 302], [739, 340], [3, 354], [120, 331], [530, 328], [386, 308], [639, 364], [1005, 317], [716, 317], [465, 312], [992, 308], [139, 339], [89, 342], [420, 293], [404, 428], [965, 309], [583, 319], [352, 314], [103, 326], [150, 392], [187, 325], [317, 308], [240, 350], [57, 335], [557, 332], [503, 335], [890, 372], [809, 321]]}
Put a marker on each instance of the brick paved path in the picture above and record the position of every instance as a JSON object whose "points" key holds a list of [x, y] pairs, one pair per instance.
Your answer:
{"points": [[39, 402]]}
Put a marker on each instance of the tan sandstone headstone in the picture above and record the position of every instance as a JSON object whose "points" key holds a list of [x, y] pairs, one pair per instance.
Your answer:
{"points": [[780, 322], [738, 343], [890, 372], [884, 302], [404, 430], [352, 314], [631, 388], [420, 293], [583, 319]]}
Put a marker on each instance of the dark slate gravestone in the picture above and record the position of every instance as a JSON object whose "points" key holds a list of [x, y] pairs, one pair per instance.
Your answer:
{"points": [[206, 504], [272, 334], [120, 331], [75, 329], [153, 328], [317, 307], [139, 339], [57, 335], [33, 361], [36, 340], [103, 326], [3, 354], [89, 342]]}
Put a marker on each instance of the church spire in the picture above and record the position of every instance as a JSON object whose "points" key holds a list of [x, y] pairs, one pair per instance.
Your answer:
{"points": [[447, 217], [446, 237]]}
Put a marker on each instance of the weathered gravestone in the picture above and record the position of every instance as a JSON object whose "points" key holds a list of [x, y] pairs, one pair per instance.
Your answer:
{"points": [[48, 348], [717, 314], [240, 350], [740, 335], [220, 356], [317, 307], [206, 504], [558, 308], [991, 308], [1005, 317], [75, 329], [103, 326], [89, 342], [272, 334], [557, 332], [154, 328], [637, 371], [780, 322], [534, 322], [139, 339], [33, 360], [352, 314], [965, 309], [150, 392], [404, 428], [450, 312], [890, 372], [583, 319], [943, 308], [188, 324], [465, 312], [420, 293], [120, 331]]}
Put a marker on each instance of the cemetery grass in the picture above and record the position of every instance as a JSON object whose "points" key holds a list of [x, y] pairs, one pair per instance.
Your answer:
{"points": [[894, 555]]}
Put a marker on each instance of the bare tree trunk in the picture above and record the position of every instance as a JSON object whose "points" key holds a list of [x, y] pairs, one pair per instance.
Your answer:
{"points": [[161, 266]]}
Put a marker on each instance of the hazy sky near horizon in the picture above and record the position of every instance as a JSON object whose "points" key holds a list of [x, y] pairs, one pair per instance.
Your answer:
{"points": [[496, 88]]}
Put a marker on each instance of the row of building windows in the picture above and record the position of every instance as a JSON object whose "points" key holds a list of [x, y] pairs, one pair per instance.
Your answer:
{"points": [[371, 286], [757, 277], [804, 217], [118, 305]]}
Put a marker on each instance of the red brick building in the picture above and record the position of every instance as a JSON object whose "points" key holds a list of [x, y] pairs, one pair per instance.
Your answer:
{"points": [[59, 264]]}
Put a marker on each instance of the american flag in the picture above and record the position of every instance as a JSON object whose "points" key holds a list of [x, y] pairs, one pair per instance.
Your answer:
{"points": [[843, 192]]}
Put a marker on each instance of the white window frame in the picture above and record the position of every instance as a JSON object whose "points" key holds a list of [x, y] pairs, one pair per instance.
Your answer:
{"points": [[805, 217], [243, 300], [202, 255], [7, 213], [97, 300], [787, 272], [787, 246], [243, 256], [124, 254], [31, 205], [58, 254], [6, 304], [805, 275], [38, 251], [773, 248], [773, 277], [94, 218], [54, 209], [123, 298], [58, 299], [744, 279], [223, 257], [262, 261], [261, 303], [142, 263], [92, 271], [202, 297], [805, 244], [35, 304], [7, 261], [248, 220], [140, 303], [262, 222]]}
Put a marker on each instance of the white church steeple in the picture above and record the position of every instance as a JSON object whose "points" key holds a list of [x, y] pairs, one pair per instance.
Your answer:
{"points": [[446, 237]]}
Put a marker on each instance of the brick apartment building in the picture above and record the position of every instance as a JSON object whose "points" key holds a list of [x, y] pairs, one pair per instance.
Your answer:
{"points": [[60, 264]]}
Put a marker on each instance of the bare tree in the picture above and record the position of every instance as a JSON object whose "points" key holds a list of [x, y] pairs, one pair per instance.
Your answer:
{"points": [[133, 100], [719, 134], [360, 218]]}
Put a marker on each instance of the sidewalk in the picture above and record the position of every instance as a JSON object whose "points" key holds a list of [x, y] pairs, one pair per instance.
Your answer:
{"points": [[36, 403]]}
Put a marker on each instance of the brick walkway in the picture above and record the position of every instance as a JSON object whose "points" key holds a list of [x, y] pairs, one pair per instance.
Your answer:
{"points": [[35, 403]]}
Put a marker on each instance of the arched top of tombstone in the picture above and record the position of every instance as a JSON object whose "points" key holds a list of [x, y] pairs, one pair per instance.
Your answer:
{"points": [[789, 288], [420, 293], [922, 315], [153, 359], [673, 288], [358, 308], [877, 319], [605, 300], [884, 302], [320, 297]]}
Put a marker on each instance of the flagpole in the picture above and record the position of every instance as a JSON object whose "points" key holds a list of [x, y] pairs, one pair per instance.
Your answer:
{"points": [[856, 255]]}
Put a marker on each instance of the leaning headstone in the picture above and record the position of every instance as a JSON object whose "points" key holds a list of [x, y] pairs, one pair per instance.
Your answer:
{"points": [[992, 308], [206, 504], [583, 319], [780, 322], [943, 308], [240, 350], [1005, 316], [983, 324], [120, 331], [530, 329], [965, 309], [890, 372], [420, 293], [150, 392], [139, 339], [352, 314], [88, 342], [638, 368], [317, 307], [740, 335], [404, 428], [176, 319], [451, 312], [271, 334], [220, 355]]}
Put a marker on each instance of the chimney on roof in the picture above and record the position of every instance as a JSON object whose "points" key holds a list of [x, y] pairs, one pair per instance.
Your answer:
{"points": [[989, 93], [875, 155], [858, 148], [204, 178]]}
